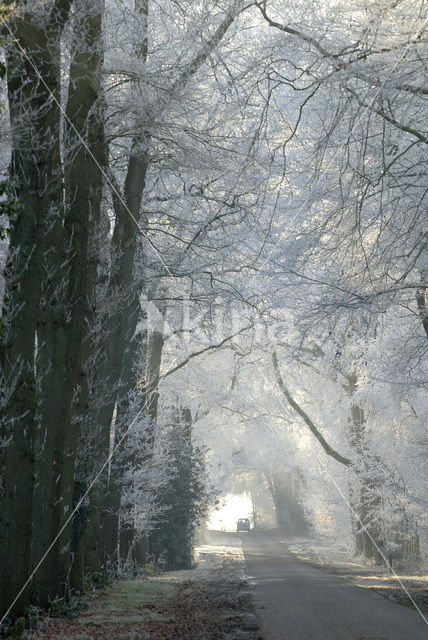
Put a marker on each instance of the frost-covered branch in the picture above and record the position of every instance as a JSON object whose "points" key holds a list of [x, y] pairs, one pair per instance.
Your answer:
{"points": [[307, 420]]}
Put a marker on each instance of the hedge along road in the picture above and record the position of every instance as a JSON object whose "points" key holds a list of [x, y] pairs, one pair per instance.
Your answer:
{"points": [[297, 602]]}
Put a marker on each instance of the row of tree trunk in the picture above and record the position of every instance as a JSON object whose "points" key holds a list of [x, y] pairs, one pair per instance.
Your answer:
{"points": [[53, 402], [72, 358]]}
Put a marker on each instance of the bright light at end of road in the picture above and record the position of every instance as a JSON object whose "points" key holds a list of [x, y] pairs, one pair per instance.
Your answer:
{"points": [[232, 507]]}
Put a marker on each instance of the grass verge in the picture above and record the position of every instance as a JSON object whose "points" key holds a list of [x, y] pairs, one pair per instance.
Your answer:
{"points": [[210, 602]]}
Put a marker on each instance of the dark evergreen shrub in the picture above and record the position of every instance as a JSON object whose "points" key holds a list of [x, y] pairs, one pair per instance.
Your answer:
{"points": [[186, 499]]}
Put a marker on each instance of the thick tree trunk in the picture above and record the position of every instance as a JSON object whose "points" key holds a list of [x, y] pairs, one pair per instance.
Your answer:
{"points": [[153, 357], [101, 536], [122, 293], [155, 345], [364, 495], [37, 178], [131, 373], [84, 182], [70, 291]]}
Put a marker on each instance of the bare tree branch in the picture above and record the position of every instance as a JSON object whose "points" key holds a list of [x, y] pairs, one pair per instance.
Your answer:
{"points": [[298, 409], [201, 351]]}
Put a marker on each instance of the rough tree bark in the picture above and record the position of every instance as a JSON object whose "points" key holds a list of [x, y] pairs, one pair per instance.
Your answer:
{"points": [[84, 167], [364, 493], [70, 291], [152, 366], [33, 60]]}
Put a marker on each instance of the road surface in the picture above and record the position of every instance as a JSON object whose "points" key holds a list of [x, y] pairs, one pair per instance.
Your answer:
{"points": [[297, 602]]}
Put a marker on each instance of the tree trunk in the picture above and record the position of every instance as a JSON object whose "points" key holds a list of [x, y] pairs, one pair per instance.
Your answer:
{"points": [[364, 495], [289, 511], [36, 176], [153, 356], [101, 538], [64, 334]]}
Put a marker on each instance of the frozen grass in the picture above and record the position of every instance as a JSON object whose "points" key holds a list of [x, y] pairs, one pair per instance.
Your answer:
{"points": [[201, 603], [119, 612]]}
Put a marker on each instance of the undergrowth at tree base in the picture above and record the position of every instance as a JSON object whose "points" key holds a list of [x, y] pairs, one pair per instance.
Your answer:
{"points": [[208, 603], [68, 608]]}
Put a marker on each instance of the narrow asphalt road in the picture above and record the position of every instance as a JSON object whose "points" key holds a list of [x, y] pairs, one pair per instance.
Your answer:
{"points": [[297, 602]]}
